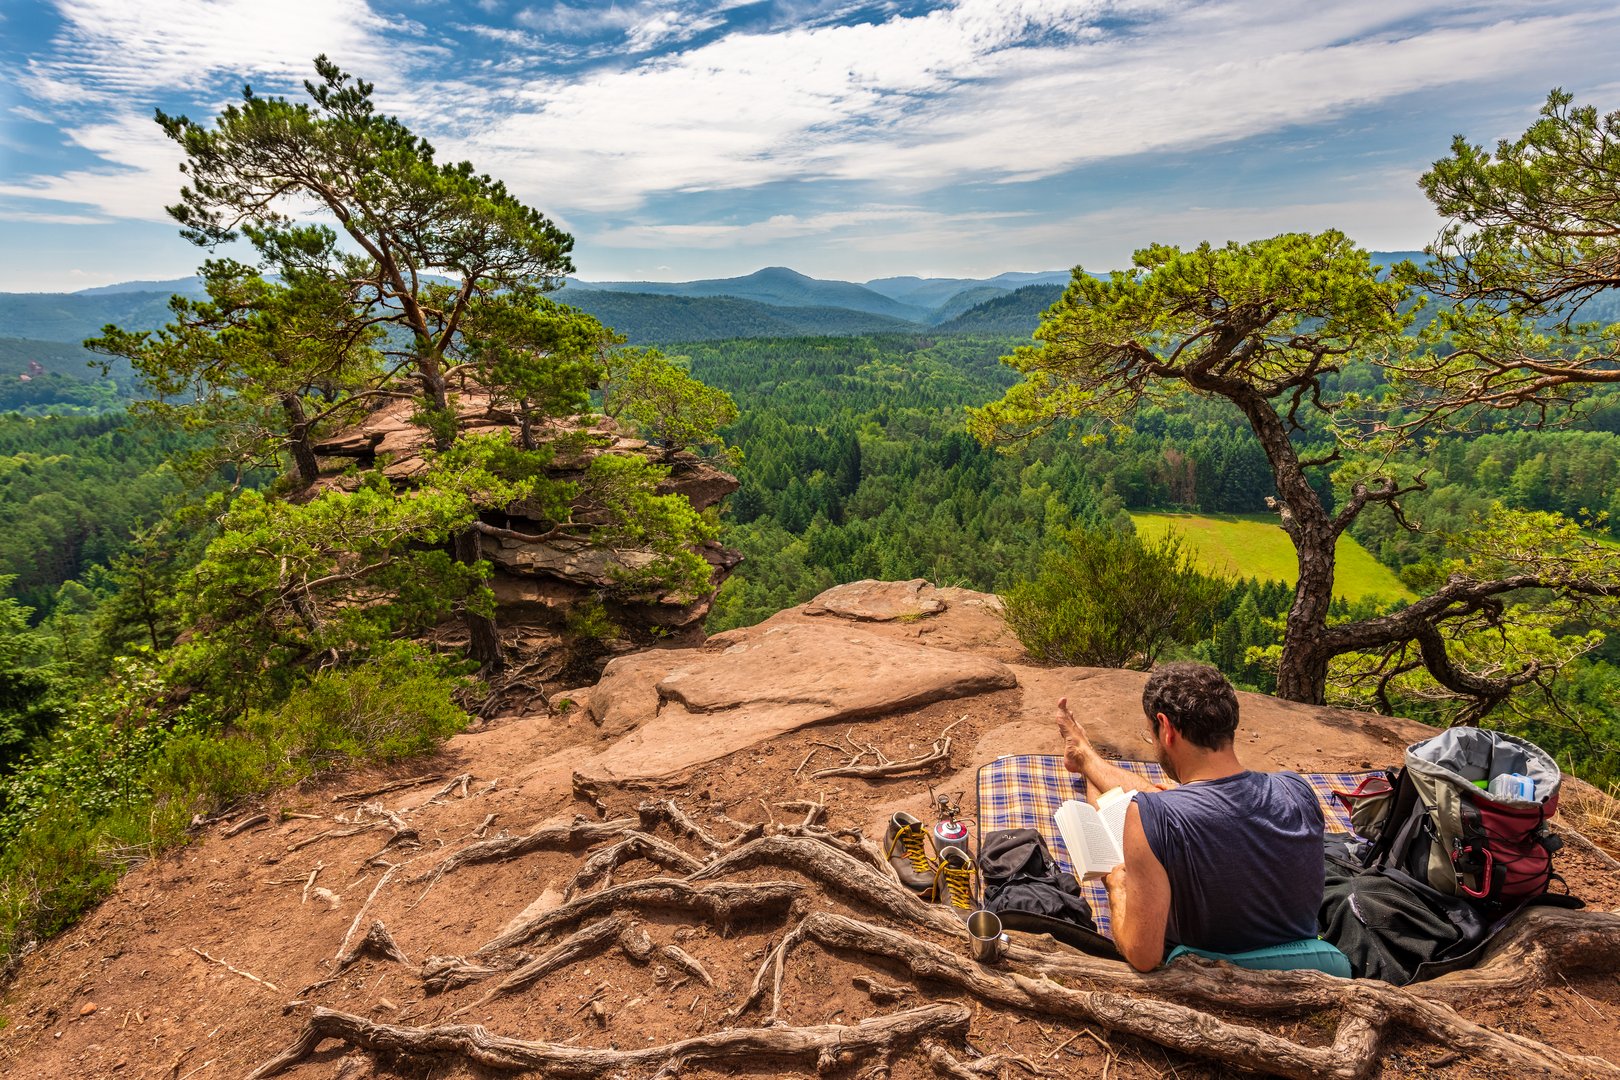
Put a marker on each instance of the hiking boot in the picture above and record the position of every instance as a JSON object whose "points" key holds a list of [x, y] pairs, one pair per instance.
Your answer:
{"points": [[904, 848], [956, 882]]}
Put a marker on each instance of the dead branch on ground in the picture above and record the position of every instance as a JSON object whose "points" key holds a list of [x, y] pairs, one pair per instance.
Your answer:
{"points": [[463, 782], [244, 825], [397, 785], [882, 765], [236, 970]]}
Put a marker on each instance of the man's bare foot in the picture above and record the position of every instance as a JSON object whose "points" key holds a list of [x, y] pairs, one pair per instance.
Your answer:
{"points": [[1075, 743]]}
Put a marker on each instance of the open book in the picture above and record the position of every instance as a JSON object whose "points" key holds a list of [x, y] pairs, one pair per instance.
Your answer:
{"points": [[1094, 836]]}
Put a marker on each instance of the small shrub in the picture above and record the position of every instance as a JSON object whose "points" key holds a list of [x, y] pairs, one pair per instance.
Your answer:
{"points": [[1104, 597]]}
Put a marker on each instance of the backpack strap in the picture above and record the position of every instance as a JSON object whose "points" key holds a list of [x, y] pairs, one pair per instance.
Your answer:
{"points": [[1395, 822]]}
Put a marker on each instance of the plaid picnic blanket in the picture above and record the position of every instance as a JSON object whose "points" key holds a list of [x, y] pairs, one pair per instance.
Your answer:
{"points": [[1024, 791]]}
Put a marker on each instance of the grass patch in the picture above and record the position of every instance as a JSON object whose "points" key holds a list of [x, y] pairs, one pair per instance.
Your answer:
{"points": [[1254, 545], [1595, 813]]}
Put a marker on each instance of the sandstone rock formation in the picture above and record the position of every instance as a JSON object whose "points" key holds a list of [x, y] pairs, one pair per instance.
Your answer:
{"points": [[538, 584]]}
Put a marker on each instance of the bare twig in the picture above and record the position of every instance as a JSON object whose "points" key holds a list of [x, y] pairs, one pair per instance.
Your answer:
{"points": [[245, 824], [885, 766], [310, 884], [361, 914], [236, 970], [397, 785]]}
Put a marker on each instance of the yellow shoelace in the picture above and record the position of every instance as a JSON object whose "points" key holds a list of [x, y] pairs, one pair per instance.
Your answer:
{"points": [[910, 842], [958, 885]]}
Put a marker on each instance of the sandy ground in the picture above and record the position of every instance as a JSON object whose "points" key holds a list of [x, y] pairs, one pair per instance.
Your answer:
{"points": [[203, 961]]}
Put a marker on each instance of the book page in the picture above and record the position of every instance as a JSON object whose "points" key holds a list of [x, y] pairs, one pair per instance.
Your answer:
{"points": [[1093, 850], [1113, 806]]}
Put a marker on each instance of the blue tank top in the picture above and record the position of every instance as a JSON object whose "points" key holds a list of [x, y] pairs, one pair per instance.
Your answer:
{"points": [[1244, 858]]}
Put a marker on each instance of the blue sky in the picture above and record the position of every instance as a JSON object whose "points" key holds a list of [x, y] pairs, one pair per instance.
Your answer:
{"points": [[681, 140]]}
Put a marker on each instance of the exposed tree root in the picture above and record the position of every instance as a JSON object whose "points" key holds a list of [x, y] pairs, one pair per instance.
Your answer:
{"points": [[1195, 1007], [397, 785], [664, 810], [1535, 947], [721, 902], [1541, 942], [826, 1047], [881, 992], [377, 942], [841, 873], [580, 833], [946, 1064], [850, 841], [1368, 1009], [343, 949], [635, 845], [441, 974], [577, 946]]}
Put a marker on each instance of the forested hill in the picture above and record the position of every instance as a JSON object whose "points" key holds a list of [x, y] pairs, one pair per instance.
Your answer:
{"points": [[1015, 314], [652, 319], [775, 285]]}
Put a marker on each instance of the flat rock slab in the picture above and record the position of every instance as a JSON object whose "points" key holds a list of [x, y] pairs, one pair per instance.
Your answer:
{"points": [[711, 704], [878, 601]]}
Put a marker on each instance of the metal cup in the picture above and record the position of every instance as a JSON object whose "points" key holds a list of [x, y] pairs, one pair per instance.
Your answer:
{"points": [[988, 944]]}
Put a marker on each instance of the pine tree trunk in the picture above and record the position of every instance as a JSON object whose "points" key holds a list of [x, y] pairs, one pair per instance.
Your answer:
{"points": [[305, 466], [483, 643], [1302, 672]]}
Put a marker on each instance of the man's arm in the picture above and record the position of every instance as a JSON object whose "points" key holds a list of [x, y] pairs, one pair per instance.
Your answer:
{"points": [[1081, 757], [1138, 899]]}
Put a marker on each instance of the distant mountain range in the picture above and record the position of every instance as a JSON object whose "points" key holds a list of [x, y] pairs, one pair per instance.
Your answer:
{"points": [[773, 302]]}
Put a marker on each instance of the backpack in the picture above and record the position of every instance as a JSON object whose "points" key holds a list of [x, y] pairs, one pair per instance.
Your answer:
{"points": [[1021, 884], [1432, 820]]}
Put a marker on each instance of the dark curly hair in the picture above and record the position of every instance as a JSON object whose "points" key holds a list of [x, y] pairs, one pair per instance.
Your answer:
{"points": [[1198, 701]]}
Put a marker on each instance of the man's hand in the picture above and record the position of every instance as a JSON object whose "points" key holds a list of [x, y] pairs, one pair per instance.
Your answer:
{"points": [[1076, 747]]}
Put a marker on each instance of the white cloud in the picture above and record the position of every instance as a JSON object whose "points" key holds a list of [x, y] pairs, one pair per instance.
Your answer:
{"points": [[142, 176], [888, 224], [576, 20], [975, 91], [42, 217], [984, 90], [111, 49]]}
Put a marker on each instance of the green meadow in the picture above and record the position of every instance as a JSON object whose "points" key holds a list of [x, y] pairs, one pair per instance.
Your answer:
{"points": [[1254, 545]]}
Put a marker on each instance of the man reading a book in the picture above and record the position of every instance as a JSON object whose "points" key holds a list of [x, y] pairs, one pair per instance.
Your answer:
{"points": [[1228, 859]]}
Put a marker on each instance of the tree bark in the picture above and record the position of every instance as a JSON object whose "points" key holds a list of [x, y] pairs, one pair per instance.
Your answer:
{"points": [[305, 467], [483, 643], [1302, 671]]}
